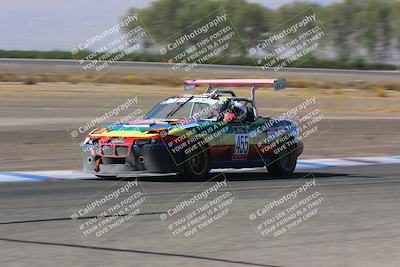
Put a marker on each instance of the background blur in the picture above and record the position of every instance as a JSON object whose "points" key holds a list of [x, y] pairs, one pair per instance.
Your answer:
{"points": [[362, 31]]}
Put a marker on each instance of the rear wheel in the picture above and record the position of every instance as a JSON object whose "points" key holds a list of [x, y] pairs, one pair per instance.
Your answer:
{"points": [[197, 166], [284, 163]]}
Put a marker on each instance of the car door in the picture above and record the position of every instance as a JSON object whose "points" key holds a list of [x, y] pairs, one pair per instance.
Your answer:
{"points": [[239, 144]]}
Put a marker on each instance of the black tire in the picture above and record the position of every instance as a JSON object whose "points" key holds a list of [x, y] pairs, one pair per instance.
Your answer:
{"points": [[284, 164], [197, 166]]}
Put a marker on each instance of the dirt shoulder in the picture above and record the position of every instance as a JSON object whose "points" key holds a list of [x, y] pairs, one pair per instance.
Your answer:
{"points": [[36, 120]]}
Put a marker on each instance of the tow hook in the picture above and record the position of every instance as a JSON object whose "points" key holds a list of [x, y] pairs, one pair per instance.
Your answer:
{"points": [[97, 165]]}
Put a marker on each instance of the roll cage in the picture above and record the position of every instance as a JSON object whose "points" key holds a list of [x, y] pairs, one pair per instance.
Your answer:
{"points": [[277, 84]]}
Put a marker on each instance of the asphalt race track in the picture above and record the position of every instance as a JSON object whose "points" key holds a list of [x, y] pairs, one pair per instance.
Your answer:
{"points": [[352, 164], [359, 227]]}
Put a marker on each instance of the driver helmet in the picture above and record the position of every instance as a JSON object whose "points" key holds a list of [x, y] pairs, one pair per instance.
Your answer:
{"points": [[240, 109]]}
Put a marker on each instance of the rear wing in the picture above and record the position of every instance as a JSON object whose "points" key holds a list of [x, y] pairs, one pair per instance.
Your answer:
{"points": [[277, 84]]}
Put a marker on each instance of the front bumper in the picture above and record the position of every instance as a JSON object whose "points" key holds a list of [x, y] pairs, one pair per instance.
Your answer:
{"points": [[154, 158]]}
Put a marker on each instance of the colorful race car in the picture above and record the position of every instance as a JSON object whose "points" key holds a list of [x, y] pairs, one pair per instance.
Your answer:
{"points": [[191, 134]]}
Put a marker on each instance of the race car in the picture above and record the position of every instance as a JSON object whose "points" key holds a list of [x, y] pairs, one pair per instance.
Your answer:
{"points": [[191, 134]]}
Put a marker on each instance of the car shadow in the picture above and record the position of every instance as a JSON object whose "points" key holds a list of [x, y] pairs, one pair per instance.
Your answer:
{"points": [[231, 176]]}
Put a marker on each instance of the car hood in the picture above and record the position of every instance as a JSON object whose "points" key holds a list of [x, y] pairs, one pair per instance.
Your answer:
{"points": [[143, 128]]}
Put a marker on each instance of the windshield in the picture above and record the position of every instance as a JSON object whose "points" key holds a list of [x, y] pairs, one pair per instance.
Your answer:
{"points": [[185, 108]]}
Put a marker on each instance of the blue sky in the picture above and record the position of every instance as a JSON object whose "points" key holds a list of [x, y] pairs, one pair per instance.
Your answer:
{"points": [[62, 24]]}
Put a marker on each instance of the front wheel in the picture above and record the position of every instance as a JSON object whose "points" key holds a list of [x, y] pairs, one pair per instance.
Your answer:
{"points": [[197, 166], [284, 164]]}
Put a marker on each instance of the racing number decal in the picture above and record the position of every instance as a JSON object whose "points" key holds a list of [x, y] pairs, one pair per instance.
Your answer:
{"points": [[242, 144]]}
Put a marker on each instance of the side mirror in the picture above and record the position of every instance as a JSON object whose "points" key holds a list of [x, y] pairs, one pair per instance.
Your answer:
{"points": [[229, 116]]}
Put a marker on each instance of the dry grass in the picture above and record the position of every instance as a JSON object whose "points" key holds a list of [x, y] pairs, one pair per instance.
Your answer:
{"points": [[339, 92], [311, 85], [301, 83], [392, 86], [330, 85], [30, 81], [380, 91], [8, 77], [334, 101]]}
